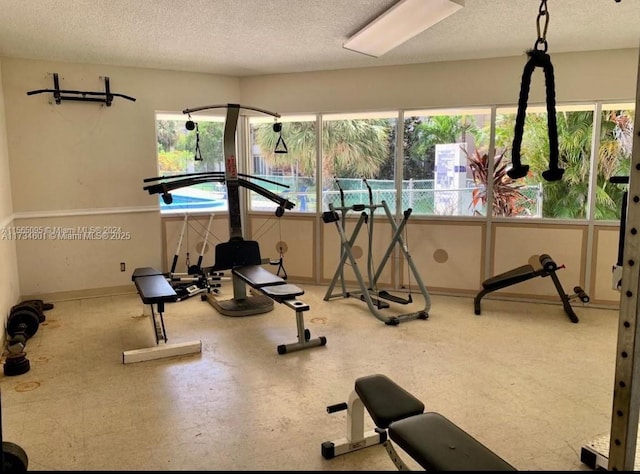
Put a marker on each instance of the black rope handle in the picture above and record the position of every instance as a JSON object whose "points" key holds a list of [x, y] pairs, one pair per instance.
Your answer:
{"points": [[537, 58]]}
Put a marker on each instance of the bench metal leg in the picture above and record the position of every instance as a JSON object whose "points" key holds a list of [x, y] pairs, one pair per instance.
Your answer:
{"points": [[395, 458], [162, 349], [304, 340], [158, 324], [477, 299], [356, 437], [564, 298]]}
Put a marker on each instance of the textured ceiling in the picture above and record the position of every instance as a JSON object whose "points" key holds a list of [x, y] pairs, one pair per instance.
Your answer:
{"points": [[256, 37]]}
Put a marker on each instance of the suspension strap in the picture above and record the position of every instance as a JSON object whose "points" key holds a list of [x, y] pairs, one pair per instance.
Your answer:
{"points": [[538, 57]]}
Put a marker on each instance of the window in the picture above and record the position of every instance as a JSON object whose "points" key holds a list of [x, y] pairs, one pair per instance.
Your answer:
{"points": [[182, 151], [295, 170], [445, 163], [444, 158], [357, 146], [614, 158], [564, 199]]}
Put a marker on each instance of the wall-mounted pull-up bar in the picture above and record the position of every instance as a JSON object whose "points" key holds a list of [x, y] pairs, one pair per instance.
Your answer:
{"points": [[105, 97]]}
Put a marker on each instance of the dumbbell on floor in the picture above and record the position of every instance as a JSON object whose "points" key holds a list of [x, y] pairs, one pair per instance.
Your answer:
{"points": [[16, 364], [15, 458], [22, 324], [38, 307]]}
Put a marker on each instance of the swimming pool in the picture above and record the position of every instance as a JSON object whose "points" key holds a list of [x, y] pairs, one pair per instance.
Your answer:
{"points": [[183, 202]]}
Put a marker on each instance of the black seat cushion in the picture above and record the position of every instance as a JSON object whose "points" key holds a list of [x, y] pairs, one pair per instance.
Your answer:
{"points": [[155, 289], [257, 276], [385, 400], [144, 271], [511, 277], [438, 444], [281, 293]]}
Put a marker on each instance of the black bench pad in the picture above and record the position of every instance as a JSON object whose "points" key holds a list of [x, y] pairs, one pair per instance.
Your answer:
{"points": [[385, 400], [282, 292], [517, 275], [154, 289], [144, 271], [257, 276], [438, 444]]}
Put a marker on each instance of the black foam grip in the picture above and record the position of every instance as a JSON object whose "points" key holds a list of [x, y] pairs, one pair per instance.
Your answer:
{"points": [[548, 263]]}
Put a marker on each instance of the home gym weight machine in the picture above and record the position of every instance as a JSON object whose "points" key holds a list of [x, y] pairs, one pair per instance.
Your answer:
{"points": [[242, 256], [369, 291], [197, 279]]}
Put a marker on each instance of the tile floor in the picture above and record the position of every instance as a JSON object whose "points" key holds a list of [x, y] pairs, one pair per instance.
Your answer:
{"points": [[521, 378]]}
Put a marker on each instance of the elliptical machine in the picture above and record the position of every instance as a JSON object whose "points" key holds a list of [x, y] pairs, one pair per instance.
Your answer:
{"points": [[368, 290]]}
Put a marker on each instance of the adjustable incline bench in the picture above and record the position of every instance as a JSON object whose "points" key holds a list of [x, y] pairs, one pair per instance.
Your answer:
{"points": [[430, 439], [154, 289], [242, 257], [526, 272]]}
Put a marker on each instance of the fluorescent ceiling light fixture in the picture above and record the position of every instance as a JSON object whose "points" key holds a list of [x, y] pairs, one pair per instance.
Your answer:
{"points": [[401, 22]]}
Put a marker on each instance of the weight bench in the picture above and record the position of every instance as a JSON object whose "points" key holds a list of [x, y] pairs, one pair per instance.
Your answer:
{"points": [[242, 257], [527, 272], [154, 289], [279, 290], [431, 440]]}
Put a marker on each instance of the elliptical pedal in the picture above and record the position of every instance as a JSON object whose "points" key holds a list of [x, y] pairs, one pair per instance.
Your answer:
{"points": [[396, 299], [378, 303]]}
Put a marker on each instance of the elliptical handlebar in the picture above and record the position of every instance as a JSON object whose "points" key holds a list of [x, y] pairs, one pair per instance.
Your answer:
{"points": [[335, 179], [364, 180]]}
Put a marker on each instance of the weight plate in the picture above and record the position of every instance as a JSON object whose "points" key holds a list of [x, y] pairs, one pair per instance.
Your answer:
{"points": [[22, 321], [33, 307], [37, 303], [16, 364], [15, 458]]}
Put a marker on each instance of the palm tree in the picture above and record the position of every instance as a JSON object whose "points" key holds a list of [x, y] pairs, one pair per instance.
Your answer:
{"points": [[614, 158], [167, 134], [209, 138], [350, 148], [568, 198]]}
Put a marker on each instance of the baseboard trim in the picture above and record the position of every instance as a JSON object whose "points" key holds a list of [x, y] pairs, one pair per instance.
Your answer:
{"points": [[82, 294]]}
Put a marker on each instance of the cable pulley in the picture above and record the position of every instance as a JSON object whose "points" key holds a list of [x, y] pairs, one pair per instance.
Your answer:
{"points": [[281, 146], [191, 125]]}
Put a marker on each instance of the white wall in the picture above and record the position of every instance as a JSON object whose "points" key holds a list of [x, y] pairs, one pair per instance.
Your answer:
{"points": [[10, 286], [82, 164], [579, 76]]}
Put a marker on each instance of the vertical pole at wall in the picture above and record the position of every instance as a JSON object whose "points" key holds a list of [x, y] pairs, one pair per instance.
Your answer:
{"points": [[398, 183], [593, 190], [488, 247], [626, 391], [231, 171], [319, 201]]}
